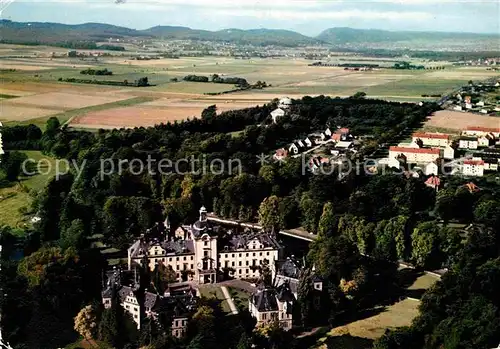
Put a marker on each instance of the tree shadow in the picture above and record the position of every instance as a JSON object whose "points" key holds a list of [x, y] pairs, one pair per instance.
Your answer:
{"points": [[406, 277], [348, 342], [348, 317]]}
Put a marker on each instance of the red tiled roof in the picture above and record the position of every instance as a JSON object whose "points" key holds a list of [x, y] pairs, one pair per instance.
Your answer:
{"points": [[483, 129], [336, 137], [431, 135], [474, 162], [434, 181], [415, 150]]}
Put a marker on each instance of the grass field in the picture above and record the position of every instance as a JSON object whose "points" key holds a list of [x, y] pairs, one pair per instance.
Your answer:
{"points": [[378, 320], [44, 96], [210, 291], [13, 198]]}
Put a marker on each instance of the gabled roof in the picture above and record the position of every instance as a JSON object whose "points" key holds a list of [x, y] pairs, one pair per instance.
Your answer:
{"points": [[474, 162], [483, 129], [431, 135], [415, 150], [265, 300]]}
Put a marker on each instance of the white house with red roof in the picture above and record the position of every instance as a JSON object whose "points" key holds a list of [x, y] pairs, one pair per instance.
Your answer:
{"points": [[415, 155], [432, 139], [481, 131], [473, 168]]}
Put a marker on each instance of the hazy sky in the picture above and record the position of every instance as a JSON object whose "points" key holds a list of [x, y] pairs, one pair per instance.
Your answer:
{"points": [[309, 17]]}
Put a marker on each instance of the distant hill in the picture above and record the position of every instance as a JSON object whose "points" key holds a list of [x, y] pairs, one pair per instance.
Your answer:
{"points": [[48, 33], [342, 36], [56, 33], [252, 36]]}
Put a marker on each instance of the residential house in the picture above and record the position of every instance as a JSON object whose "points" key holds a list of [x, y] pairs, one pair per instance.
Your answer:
{"points": [[284, 103], [448, 153], [432, 139], [337, 137], [457, 108], [433, 182], [269, 304], [294, 149], [344, 145], [328, 132], [276, 114], [468, 143], [484, 111], [431, 169], [473, 168], [308, 143], [415, 155], [205, 253], [490, 164], [486, 140], [468, 106], [480, 104], [281, 154]]}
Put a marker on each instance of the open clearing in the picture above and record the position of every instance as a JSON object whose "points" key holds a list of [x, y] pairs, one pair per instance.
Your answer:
{"points": [[15, 197], [134, 116], [40, 95], [455, 120], [398, 314]]}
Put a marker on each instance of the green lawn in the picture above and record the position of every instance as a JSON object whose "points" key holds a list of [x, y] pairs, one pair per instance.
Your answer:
{"points": [[215, 292], [13, 198], [240, 298]]}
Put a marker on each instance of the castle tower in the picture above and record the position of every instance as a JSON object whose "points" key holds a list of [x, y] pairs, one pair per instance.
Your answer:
{"points": [[203, 214]]}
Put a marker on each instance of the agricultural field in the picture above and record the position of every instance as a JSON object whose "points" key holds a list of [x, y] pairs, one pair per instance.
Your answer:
{"points": [[31, 93], [455, 121]]}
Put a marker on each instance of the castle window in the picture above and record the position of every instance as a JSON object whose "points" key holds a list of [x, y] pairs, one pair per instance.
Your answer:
{"points": [[170, 259], [205, 243], [232, 264], [247, 254], [184, 257], [191, 266], [192, 258]]}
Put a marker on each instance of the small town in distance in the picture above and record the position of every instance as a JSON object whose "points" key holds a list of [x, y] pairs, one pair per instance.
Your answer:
{"points": [[311, 187]]}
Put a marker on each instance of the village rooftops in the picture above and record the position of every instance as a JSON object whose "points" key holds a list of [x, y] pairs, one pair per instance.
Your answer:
{"points": [[415, 150], [483, 129], [465, 138], [431, 135], [474, 162]]}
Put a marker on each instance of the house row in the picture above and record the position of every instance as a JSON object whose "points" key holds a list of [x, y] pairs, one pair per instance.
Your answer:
{"points": [[179, 301], [204, 252], [341, 137]]}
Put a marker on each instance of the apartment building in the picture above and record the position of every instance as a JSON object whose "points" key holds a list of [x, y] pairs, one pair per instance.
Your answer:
{"points": [[415, 155], [432, 139]]}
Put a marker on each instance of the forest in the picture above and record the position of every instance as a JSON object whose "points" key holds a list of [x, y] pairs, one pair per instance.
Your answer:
{"points": [[364, 223]]}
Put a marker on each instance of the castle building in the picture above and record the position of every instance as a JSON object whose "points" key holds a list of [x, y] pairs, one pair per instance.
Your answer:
{"points": [[180, 302], [203, 252], [269, 304]]}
